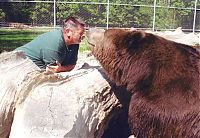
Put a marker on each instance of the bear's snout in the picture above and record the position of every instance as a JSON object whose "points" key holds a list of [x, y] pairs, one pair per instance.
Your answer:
{"points": [[95, 36]]}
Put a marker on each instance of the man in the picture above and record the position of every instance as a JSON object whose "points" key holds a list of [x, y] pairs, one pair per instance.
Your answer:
{"points": [[57, 50]]}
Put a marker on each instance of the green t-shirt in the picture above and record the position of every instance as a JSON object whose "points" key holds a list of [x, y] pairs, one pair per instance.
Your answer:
{"points": [[50, 47]]}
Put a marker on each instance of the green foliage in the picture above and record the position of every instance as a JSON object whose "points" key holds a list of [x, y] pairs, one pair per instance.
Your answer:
{"points": [[145, 17], [2, 14], [131, 13], [94, 15], [170, 16], [41, 13], [83, 46]]}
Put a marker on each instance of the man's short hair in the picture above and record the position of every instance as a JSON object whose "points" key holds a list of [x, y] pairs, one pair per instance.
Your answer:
{"points": [[73, 23]]}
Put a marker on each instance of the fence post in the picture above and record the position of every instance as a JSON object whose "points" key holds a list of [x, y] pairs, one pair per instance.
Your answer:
{"points": [[195, 12], [108, 4], [54, 14], [154, 14]]}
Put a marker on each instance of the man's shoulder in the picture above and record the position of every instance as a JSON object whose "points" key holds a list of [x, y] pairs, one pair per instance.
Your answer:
{"points": [[52, 33], [50, 38]]}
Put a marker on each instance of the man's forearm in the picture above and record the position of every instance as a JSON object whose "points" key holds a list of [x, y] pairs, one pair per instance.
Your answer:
{"points": [[58, 68], [65, 68]]}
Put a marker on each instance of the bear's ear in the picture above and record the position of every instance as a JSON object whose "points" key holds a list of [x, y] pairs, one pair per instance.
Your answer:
{"points": [[137, 39]]}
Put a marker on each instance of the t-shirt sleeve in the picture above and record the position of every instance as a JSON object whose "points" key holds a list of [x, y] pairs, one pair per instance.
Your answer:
{"points": [[51, 56], [63, 56], [71, 56]]}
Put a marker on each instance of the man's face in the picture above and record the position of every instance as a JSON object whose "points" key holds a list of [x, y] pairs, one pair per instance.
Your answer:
{"points": [[77, 35]]}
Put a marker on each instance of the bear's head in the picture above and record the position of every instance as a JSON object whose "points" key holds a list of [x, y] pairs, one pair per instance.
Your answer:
{"points": [[146, 63]]}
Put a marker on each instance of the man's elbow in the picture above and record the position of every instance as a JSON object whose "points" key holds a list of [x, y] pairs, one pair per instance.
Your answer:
{"points": [[71, 67]]}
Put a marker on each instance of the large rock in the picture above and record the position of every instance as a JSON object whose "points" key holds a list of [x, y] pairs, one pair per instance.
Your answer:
{"points": [[73, 104], [13, 69], [72, 107], [180, 37]]}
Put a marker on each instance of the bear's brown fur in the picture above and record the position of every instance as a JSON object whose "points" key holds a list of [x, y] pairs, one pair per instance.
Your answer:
{"points": [[163, 77]]}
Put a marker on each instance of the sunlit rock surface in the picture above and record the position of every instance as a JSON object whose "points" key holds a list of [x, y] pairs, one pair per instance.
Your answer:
{"points": [[13, 69], [73, 104], [180, 37]]}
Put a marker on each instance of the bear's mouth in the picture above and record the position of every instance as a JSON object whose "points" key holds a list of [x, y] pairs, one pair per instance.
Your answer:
{"points": [[93, 45]]}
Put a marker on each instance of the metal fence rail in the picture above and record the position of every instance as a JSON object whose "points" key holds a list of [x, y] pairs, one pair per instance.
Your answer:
{"points": [[108, 13]]}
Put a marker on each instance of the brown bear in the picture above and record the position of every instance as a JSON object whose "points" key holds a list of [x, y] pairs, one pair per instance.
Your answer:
{"points": [[162, 76]]}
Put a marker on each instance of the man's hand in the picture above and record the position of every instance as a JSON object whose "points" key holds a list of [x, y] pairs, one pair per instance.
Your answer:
{"points": [[59, 68]]}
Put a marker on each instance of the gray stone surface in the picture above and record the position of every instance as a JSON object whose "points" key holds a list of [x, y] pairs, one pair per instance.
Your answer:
{"points": [[13, 69], [76, 106], [70, 104]]}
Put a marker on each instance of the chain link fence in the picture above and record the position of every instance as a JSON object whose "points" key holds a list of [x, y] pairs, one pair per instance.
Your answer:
{"points": [[145, 14]]}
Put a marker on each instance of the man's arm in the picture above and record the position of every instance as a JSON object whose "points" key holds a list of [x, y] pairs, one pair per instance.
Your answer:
{"points": [[58, 68]]}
